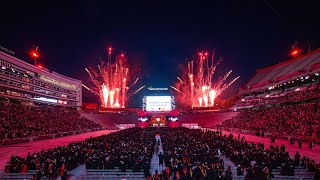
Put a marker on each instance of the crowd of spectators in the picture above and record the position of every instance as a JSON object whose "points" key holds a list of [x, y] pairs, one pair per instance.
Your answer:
{"points": [[194, 154], [293, 94], [20, 121], [296, 120], [258, 161], [126, 149], [202, 118], [188, 154]]}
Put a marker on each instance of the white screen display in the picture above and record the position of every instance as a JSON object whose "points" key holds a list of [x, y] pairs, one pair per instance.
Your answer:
{"points": [[158, 103]]}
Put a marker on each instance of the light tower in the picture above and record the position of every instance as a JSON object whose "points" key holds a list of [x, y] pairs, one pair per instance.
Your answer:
{"points": [[35, 55]]}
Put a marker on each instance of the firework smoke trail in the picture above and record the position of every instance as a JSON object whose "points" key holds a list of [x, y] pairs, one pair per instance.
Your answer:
{"points": [[179, 79], [175, 89], [229, 84], [196, 85], [135, 81], [111, 81], [137, 90], [221, 81]]}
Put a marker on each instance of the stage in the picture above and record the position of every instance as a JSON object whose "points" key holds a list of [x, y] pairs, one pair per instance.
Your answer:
{"points": [[158, 118]]}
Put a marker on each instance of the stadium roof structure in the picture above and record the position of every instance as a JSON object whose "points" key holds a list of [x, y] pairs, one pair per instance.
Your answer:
{"points": [[304, 64]]}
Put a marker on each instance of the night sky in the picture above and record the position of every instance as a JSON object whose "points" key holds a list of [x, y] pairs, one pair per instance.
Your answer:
{"points": [[158, 36]]}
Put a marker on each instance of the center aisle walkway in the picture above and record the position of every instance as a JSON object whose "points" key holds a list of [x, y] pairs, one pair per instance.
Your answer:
{"points": [[155, 165], [228, 162]]}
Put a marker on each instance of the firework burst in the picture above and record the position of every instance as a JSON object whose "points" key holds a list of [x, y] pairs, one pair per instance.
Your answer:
{"points": [[196, 86], [112, 81]]}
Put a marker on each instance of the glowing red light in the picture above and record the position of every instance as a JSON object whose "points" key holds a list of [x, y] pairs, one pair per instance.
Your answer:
{"points": [[34, 54], [110, 49], [122, 55], [206, 54], [294, 52], [40, 66], [200, 54]]}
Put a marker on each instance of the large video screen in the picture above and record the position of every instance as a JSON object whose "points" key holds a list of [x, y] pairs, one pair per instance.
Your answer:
{"points": [[158, 103]]}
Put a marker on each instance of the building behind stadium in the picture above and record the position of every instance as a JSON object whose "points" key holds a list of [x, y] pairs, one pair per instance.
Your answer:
{"points": [[27, 83]]}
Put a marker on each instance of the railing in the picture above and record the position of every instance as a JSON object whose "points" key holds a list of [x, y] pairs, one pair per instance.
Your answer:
{"points": [[272, 101], [15, 176], [111, 174]]}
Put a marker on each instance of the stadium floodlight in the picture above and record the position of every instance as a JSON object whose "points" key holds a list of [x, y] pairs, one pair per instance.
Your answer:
{"points": [[109, 50], [35, 55], [295, 52]]}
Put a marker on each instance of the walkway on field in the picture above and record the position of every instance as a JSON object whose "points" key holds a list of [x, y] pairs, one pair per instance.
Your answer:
{"points": [[155, 165]]}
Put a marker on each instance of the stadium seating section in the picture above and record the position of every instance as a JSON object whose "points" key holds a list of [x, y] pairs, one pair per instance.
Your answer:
{"points": [[298, 93], [112, 120], [19, 122], [296, 120], [282, 71], [205, 119]]}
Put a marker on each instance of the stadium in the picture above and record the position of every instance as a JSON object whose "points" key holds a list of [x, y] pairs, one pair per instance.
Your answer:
{"points": [[277, 107], [216, 90]]}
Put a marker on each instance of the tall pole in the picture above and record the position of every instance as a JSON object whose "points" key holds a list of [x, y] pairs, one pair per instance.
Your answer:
{"points": [[35, 55]]}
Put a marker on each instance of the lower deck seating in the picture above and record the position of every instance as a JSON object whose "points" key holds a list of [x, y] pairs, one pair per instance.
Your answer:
{"points": [[111, 120], [206, 119]]}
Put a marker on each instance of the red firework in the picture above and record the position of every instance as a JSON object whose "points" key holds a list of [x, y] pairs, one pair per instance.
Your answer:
{"points": [[196, 86], [113, 81]]}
